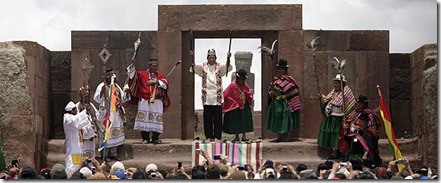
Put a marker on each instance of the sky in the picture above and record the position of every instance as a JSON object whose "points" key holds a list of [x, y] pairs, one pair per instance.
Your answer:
{"points": [[412, 23]]}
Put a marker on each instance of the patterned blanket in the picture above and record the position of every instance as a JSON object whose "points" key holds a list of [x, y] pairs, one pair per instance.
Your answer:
{"points": [[238, 153]]}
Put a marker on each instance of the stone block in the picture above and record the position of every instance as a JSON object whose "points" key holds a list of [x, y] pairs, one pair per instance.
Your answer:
{"points": [[373, 40], [60, 71], [223, 17], [174, 121], [400, 114], [116, 39], [312, 118], [331, 40]]}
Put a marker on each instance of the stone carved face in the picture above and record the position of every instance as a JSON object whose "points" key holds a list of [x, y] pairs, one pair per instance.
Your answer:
{"points": [[243, 64]]}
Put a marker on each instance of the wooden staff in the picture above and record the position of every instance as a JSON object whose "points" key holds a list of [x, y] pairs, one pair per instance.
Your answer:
{"points": [[192, 50], [153, 95], [228, 57]]}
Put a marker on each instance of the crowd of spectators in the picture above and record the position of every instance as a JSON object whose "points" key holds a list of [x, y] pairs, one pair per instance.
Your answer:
{"points": [[329, 169]]}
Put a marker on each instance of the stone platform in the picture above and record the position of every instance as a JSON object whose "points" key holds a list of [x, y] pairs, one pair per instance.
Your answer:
{"points": [[166, 155]]}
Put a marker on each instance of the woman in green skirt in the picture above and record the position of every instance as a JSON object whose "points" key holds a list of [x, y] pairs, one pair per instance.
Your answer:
{"points": [[284, 109], [333, 127], [238, 117]]}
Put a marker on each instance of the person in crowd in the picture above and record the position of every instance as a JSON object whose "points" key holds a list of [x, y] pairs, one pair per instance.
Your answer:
{"points": [[284, 104], [374, 121], [238, 117], [73, 123], [363, 143], [89, 132], [102, 96], [149, 90], [211, 73], [333, 126]]}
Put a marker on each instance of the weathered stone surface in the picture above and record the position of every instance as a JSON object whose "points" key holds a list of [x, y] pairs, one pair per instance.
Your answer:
{"points": [[373, 40], [224, 17], [17, 119], [312, 118], [116, 39], [399, 76], [400, 114], [431, 114], [423, 102], [61, 85]]}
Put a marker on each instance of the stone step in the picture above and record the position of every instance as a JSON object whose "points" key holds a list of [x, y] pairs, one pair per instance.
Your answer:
{"points": [[135, 154]]}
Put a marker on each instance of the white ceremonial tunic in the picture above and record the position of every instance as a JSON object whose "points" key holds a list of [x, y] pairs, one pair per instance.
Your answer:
{"points": [[149, 116], [116, 133], [211, 82], [88, 134], [72, 125]]}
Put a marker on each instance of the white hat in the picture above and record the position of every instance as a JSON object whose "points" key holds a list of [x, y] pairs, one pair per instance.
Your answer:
{"points": [[70, 106], [211, 52], [117, 166], [151, 167], [86, 172], [337, 78]]}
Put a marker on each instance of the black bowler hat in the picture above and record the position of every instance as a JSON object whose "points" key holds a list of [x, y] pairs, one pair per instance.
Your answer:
{"points": [[282, 64], [242, 73], [362, 99]]}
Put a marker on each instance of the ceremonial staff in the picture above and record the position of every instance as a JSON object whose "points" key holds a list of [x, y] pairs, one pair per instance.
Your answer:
{"points": [[229, 51], [192, 50], [135, 54]]}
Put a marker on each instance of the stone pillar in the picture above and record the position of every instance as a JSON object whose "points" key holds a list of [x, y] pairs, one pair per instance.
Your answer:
{"points": [[243, 60], [25, 100], [424, 102]]}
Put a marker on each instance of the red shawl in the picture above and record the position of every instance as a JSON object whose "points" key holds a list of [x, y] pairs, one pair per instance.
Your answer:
{"points": [[139, 88], [232, 98]]}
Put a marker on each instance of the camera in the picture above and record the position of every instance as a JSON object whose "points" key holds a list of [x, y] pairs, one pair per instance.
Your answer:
{"points": [[241, 168], [284, 168], [217, 157], [14, 162], [342, 164], [198, 151], [153, 174], [400, 161], [179, 165]]}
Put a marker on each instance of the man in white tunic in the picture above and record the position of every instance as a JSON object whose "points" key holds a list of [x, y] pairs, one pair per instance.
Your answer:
{"points": [[73, 123], [88, 132], [101, 96], [212, 93], [149, 90]]}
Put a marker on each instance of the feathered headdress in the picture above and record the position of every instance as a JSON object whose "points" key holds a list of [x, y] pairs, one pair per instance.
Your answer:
{"points": [[270, 51], [339, 66], [312, 45]]}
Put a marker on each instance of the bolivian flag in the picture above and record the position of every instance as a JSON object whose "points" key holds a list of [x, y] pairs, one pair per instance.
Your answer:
{"points": [[385, 114]]}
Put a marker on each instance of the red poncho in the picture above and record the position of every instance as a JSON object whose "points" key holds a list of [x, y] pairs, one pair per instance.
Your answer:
{"points": [[232, 97], [139, 88]]}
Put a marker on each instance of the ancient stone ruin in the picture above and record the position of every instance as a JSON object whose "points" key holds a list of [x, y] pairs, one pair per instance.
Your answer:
{"points": [[37, 83]]}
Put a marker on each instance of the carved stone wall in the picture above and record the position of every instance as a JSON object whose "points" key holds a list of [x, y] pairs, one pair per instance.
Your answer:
{"points": [[25, 101], [424, 97]]}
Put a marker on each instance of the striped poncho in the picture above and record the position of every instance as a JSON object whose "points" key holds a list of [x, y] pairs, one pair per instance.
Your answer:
{"points": [[290, 90]]}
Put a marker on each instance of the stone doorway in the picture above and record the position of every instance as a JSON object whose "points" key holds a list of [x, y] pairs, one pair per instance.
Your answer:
{"points": [[265, 22]]}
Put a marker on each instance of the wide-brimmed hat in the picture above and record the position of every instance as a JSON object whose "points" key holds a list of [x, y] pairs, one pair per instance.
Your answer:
{"points": [[69, 106], [362, 99], [151, 168], [109, 72], [242, 73], [282, 64], [340, 77], [364, 116]]}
